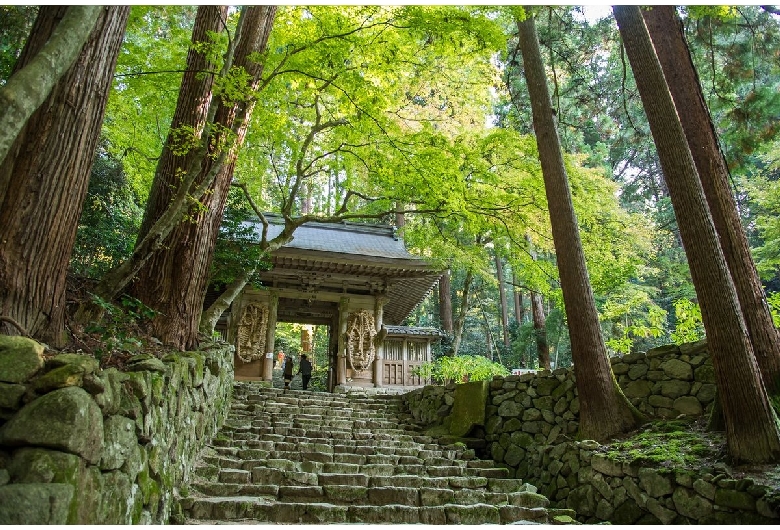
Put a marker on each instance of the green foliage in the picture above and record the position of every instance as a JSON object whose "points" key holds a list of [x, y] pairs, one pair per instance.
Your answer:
{"points": [[15, 25], [629, 316], [774, 306], [109, 220], [460, 369], [765, 203], [236, 249], [688, 326], [146, 85], [118, 327]]}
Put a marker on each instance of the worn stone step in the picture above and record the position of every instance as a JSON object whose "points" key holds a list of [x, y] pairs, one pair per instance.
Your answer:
{"points": [[262, 511], [218, 489], [295, 457]]}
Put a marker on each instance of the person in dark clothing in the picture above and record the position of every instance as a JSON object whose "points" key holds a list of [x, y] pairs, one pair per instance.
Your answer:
{"points": [[305, 370], [289, 366]]}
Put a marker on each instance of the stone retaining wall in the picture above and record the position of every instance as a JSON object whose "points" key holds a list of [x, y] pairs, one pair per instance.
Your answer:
{"points": [[668, 381], [81, 445], [431, 404], [531, 422]]}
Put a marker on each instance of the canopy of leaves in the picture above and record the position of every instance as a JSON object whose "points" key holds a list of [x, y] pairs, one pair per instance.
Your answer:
{"points": [[365, 109]]}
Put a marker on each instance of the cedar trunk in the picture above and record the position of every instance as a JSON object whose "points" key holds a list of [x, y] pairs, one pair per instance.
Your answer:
{"points": [[445, 303], [751, 424], [173, 281], [460, 319], [604, 410], [539, 318], [540, 330], [43, 179], [668, 38], [518, 299], [502, 298]]}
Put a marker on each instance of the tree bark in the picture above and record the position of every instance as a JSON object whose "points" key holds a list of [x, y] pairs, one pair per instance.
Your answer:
{"points": [[502, 300], [460, 319], [29, 87], [539, 319], [604, 410], [668, 38], [192, 112], [192, 107], [751, 424], [445, 303], [44, 177], [518, 299], [174, 279], [540, 330]]}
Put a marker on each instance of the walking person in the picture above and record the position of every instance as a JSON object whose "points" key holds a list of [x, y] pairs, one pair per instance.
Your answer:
{"points": [[289, 366], [305, 370]]}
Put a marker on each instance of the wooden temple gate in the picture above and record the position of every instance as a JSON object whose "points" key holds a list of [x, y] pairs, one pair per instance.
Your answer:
{"points": [[360, 281]]}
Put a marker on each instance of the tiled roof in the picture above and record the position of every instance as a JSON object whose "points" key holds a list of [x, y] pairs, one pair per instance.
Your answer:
{"points": [[343, 238], [350, 257], [419, 332]]}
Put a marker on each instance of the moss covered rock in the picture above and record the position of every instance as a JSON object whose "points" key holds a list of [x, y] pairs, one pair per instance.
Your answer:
{"points": [[11, 396], [66, 419], [20, 358], [468, 410], [120, 442], [35, 503]]}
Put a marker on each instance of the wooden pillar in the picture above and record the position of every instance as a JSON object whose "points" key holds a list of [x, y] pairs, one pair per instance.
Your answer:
{"points": [[405, 361], [379, 363], [341, 360], [270, 337]]}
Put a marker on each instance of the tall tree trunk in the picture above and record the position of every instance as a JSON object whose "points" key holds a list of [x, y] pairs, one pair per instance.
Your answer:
{"points": [[460, 319], [751, 424], [400, 218], [174, 279], [445, 303], [540, 330], [192, 113], [192, 108], [668, 38], [519, 312], [604, 410], [518, 299], [44, 177], [539, 318], [29, 87], [502, 299]]}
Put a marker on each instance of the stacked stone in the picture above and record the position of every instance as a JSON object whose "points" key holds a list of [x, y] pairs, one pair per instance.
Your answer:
{"points": [[625, 493], [532, 419], [431, 404], [669, 381], [527, 412], [81, 445]]}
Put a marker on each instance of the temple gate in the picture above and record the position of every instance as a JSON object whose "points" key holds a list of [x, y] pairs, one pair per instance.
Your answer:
{"points": [[357, 279]]}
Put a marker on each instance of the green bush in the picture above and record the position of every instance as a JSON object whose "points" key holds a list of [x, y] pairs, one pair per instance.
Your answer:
{"points": [[689, 327], [460, 369]]}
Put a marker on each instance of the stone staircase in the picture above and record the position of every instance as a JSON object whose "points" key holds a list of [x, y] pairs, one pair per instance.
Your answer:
{"points": [[301, 457]]}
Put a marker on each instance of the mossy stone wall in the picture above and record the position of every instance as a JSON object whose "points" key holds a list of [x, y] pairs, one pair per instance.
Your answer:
{"points": [[531, 424], [81, 445]]}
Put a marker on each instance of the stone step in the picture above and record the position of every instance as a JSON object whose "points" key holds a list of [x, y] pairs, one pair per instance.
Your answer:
{"points": [[349, 488], [270, 442], [267, 471], [260, 510], [314, 399], [300, 457]]}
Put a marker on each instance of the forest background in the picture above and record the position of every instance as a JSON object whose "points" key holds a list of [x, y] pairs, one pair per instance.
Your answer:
{"points": [[418, 116]]}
